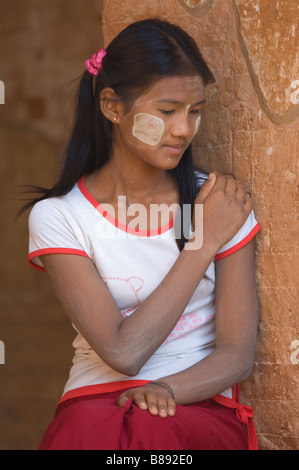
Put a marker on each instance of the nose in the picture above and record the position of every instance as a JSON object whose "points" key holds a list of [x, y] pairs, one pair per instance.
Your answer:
{"points": [[181, 127]]}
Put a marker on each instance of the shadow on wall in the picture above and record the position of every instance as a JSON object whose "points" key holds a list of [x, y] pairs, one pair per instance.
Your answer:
{"points": [[41, 53], [249, 127]]}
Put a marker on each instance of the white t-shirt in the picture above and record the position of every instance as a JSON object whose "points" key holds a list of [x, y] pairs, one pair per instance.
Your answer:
{"points": [[132, 265]]}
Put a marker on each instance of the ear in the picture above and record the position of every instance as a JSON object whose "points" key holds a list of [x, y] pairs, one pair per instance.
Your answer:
{"points": [[111, 106]]}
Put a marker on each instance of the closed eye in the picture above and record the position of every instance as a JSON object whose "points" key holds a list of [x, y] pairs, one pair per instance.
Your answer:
{"points": [[167, 112]]}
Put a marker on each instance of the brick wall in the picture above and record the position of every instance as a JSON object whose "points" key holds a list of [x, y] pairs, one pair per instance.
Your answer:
{"points": [[43, 48], [250, 128]]}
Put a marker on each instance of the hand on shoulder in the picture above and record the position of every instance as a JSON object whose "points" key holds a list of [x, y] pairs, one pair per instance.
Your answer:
{"points": [[226, 206]]}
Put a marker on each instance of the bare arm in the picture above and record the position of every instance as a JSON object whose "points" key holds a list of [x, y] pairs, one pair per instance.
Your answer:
{"points": [[89, 304], [93, 310], [236, 330]]}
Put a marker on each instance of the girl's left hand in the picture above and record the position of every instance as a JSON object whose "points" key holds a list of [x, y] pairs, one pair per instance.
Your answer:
{"points": [[152, 397]]}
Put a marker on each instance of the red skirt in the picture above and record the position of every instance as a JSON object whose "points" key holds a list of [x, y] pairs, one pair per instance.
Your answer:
{"points": [[96, 422]]}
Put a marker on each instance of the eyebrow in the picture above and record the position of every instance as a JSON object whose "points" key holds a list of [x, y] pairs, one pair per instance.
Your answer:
{"points": [[169, 100]]}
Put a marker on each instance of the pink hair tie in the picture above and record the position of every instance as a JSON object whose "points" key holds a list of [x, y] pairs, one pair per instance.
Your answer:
{"points": [[94, 64]]}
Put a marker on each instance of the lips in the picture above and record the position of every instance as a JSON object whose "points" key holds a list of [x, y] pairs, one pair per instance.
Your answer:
{"points": [[174, 148]]}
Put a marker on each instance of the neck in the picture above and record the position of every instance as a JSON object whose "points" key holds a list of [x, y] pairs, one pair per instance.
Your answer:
{"points": [[136, 181], [139, 183], [130, 176]]}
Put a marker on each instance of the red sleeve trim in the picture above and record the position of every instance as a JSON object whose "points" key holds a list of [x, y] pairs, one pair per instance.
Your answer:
{"points": [[239, 245], [49, 251]]}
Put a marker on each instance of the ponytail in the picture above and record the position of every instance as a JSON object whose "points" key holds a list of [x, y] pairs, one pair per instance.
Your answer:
{"points": [[82, 153], [184, 174], [81, 145]]}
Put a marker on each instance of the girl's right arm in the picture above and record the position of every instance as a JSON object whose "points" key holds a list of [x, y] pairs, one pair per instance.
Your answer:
{"points": [[125, 344]]}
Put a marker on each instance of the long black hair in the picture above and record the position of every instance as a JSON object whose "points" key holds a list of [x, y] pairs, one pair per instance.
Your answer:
{"points": [[141, 54]]}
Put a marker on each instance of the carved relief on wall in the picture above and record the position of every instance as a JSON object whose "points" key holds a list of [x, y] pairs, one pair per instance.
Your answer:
{"points": [[197, 7], [269, 39]]}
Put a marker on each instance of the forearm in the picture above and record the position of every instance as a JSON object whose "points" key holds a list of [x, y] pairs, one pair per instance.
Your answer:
{"points": [[125, 344], [145, 330], [204, 380], [220, 370]]}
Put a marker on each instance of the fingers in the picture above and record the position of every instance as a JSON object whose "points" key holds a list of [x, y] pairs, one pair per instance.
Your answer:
{"points": [[206, 188], [244, 197], [157, 401], [236, 189], [247, 205], [122, 399], [228, 184], [158, 404], [231, 185]]}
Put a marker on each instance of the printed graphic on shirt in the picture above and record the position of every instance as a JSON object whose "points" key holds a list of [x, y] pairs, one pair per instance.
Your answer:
{"points": [[127, 290], [131, 268], [188, 323]]}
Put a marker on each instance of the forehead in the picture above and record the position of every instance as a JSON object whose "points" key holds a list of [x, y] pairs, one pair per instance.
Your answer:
{"points": [[184, 89]]}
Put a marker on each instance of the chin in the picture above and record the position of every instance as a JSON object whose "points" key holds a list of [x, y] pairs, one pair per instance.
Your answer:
{"points": [[172, 163]]}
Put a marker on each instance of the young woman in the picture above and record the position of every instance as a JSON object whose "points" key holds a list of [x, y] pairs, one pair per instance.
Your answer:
{"points": [[165, 307]]}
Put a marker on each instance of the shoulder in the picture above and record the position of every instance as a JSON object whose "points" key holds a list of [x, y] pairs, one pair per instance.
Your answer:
{"points": [[52, 210], [45, 209], [246, 233]]}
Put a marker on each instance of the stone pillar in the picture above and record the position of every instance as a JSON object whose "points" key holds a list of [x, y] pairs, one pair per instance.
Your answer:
{"points": [[250, 129]]}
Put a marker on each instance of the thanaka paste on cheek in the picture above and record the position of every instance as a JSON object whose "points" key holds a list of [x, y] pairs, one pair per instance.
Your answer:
{"points": [[147, 128], [197, 124]]}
